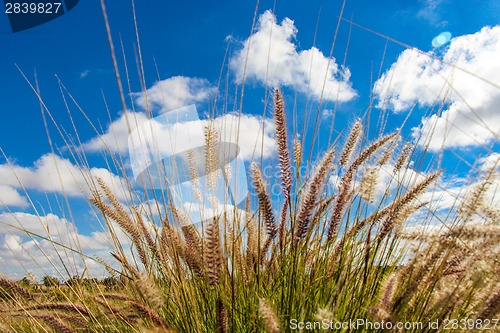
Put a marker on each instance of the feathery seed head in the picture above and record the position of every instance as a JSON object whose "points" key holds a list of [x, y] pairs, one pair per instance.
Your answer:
{"points": [[351, 143], [264, 200], [269, 317]]}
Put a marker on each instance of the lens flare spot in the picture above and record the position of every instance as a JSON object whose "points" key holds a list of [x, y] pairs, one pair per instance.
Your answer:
{"points": [[441, 39]]}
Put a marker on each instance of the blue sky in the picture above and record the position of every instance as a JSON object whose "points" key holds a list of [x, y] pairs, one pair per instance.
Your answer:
{"points": [[188, 42]]}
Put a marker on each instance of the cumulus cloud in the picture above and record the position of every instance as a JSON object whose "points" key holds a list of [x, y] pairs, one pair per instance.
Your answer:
{"points": [[165, 95], [53, 174], [447, 193], [21, 256], [444, 198], [9, 196], [466, 79], [254, 135], [50, 244], [20, 253], [115, 139], [60, 229], [490, 162], [273, 59], [173, 93], [453, 192]]}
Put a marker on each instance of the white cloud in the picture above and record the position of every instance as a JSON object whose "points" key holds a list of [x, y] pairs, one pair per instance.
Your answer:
{"points": [[467, 81], [445, 194], [20, 253], [490, 162], [175, 92], [9, 196], [115, 139], [248, 130], [165, 95], [273, 59], [328, 113], [442, 199], [53, 174], [59, 229], [50, 173], [450, 193], [254, 136]]}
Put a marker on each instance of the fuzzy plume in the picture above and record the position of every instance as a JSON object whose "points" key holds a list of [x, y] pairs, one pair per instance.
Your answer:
{"points": [[492, 307], [253, 238], [64, 307], [313, 190], [193, 170], [264, 201], [10, 288], [403, 157], [388, 152], [212, 161], [222, 319], [388, 291], [351, 143], [297, 152], [192, 249], [269, 317], [146, 233], [284, 159], [118, 213], [213, 254], [369, 183], [57, 324], [474, 201], [282, 143]]}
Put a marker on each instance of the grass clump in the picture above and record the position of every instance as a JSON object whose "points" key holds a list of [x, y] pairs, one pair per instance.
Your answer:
{"points": [[334, 251], [336, 244]]}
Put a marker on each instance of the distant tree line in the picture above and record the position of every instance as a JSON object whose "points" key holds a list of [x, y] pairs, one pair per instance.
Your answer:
{"points": [[51, 281]]}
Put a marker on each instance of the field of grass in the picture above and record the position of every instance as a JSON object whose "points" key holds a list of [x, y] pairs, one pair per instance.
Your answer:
{"points": [[336, 249]]}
